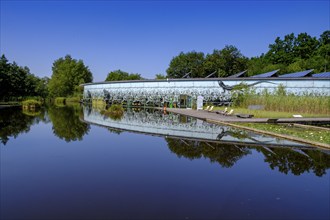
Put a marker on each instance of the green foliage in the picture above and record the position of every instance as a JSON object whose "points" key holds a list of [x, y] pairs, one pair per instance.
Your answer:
{"points": [[187, 62], [13, 122], [16, 81], [160, 76], [60, 100], [317, 135], [293, 54], [72, 99], [284, 159], [226, 62], [119, 75], [67, 75], [66, 122], [31, 102], [115, 111], [281, 101]]}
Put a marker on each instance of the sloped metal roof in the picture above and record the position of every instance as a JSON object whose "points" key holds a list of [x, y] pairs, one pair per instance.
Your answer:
{"points": [[268, 74], [237, 75], [297, 74], [322, 75]]}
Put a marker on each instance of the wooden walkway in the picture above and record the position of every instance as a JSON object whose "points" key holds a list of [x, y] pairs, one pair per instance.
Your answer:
{"points": [[205, 115]]}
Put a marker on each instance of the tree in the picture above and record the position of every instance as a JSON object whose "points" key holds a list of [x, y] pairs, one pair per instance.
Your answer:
{"points": [[119, 75], [67, 75], [160, 76], [66, 123], [4, 77], [226, 62], [18, 82], [305, 46], [184, 63], [282, 51], [323, 52]]}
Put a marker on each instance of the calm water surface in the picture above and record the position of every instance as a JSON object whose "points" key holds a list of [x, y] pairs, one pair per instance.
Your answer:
{"points": [[73, 163]]}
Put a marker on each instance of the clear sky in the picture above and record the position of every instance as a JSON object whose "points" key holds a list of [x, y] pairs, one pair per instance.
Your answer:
{"points": [[143, 36]]}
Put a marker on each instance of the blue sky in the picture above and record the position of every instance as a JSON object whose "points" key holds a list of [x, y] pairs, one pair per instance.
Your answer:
{"points": [[143, 36]]}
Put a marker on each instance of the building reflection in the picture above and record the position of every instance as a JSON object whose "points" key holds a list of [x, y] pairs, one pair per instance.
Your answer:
{"points": [[193, 139]]}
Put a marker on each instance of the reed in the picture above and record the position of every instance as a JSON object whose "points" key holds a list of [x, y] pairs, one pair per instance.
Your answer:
{"points": [[281, 101]]}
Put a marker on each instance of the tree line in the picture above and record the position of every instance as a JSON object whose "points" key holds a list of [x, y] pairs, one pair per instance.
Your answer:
{"points": [[290, 54], [16, 81]]}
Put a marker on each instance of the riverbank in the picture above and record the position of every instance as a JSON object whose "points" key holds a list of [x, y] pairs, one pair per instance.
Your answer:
{"points": [[237, 122]]}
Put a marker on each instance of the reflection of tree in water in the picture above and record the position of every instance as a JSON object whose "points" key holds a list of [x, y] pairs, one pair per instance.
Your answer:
{"points": [[13, 122], [115, 131], [284, 159], [297, 161], [66, 123], [225, 155]]}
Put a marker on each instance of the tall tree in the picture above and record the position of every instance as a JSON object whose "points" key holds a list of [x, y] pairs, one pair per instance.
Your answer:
{"points": [[67, 75], [305, 46], [184, 63], [282, 51]]}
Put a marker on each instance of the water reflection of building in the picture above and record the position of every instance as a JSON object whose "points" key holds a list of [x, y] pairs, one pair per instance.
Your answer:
{"points": [[193, 139], [157, 123]]}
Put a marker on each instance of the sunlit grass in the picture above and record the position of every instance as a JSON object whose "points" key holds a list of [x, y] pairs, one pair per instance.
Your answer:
{"points": [[270, 114], [311, 134]]}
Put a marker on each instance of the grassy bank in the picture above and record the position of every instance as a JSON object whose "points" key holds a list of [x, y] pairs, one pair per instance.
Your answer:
{"points": [[269, 114], [310, 134]]}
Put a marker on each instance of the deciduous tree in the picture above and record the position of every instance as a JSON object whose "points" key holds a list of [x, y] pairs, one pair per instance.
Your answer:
{"points": [[67, 74]]}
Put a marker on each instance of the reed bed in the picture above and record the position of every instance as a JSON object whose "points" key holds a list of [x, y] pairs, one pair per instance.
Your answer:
{"points": [[282, 102]]}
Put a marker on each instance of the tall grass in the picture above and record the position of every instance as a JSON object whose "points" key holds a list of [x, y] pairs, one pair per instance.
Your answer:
{"points": [[282, 101]]}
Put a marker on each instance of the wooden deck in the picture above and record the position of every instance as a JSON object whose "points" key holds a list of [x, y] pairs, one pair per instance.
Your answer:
{"points": [[205, 115]]}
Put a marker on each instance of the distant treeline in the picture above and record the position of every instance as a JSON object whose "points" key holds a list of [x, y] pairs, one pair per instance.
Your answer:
{"points": [[290, 54], [18, 82]]}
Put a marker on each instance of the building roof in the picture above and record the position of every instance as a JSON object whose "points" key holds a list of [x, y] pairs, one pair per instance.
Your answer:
{"points": [[321, 75], [237, 75], [268, 74], [298, 74]]}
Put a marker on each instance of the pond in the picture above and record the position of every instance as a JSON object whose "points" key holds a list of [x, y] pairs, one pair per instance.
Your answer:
{"points": [[71, 162]]}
